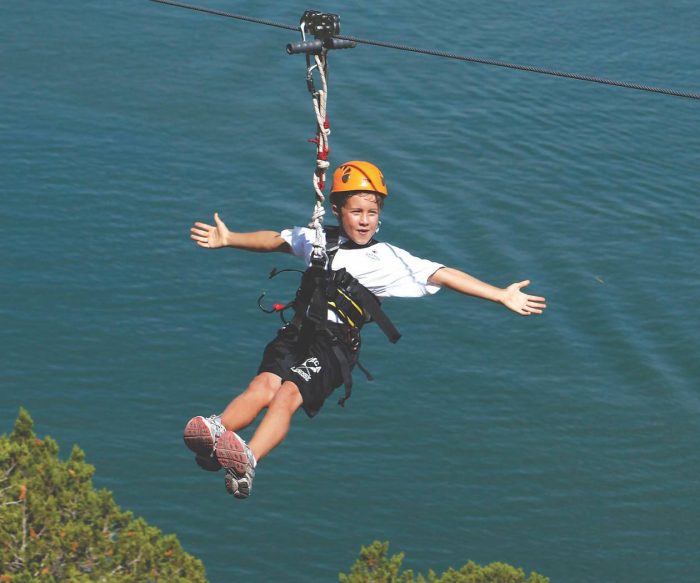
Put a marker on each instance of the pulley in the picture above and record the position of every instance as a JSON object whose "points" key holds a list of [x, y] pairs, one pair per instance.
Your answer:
{"points": [[324, 27]]}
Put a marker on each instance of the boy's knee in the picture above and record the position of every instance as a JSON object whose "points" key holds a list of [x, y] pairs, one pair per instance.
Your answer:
{"points": [[288, 397], [266, 386]]}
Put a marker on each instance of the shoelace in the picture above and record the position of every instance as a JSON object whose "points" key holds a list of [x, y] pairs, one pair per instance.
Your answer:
{"points": [[218, 427]]}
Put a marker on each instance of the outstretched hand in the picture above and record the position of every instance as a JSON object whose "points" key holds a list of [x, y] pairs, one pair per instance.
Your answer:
{"points": [[210, 236], [522, 303]]}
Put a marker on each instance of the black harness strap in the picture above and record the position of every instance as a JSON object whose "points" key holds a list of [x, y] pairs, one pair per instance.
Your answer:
{"points": [[343, 279], [370, 304], [345, 370]]}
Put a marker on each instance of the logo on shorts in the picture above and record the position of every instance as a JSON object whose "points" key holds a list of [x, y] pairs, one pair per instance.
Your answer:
{"points": [[307, 368]]}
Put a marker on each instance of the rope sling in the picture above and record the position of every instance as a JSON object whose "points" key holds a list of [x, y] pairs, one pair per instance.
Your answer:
{"points": [[323, 27], [319, 98]]}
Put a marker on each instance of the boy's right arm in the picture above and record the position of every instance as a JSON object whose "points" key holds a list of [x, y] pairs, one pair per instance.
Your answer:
{"points": [[218, 235]]}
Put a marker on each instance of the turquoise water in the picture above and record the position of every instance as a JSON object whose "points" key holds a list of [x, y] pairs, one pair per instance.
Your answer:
{"points": [[565, 444]]}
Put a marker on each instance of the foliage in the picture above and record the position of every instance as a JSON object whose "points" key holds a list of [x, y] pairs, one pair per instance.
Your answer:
{"points": [[54, 526], [374, 566]]}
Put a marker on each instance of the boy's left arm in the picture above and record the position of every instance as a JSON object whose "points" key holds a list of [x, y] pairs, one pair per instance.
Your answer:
{"points": [[511, 297]]}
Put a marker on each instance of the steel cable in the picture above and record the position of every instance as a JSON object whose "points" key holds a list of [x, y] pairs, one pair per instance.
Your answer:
{"points": [[528, 68], [449, 55], [228, 14]]}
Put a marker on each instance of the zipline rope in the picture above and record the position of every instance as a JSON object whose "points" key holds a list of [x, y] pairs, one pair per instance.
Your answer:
{"points": [[448, 55]]}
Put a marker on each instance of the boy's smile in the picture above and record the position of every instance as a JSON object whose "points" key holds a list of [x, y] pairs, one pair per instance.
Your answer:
{"points": [[359, 217]]}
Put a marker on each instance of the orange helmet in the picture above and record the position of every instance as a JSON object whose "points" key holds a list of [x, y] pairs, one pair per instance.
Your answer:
{"points": [[359, 176]]}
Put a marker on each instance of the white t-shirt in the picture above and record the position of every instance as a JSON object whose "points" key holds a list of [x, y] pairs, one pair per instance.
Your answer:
{"points": [[385, 270]]}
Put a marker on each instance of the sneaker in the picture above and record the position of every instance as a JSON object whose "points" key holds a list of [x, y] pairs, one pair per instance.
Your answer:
{"points": [[235, 457], [207, 462], [201, 436]]}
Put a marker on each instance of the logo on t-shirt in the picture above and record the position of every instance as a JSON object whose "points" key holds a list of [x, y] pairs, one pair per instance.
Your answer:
{"points": [[372, 254]]}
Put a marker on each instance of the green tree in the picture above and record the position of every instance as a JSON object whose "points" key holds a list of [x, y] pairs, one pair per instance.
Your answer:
{"points": [[374, 566], [54, 526]]}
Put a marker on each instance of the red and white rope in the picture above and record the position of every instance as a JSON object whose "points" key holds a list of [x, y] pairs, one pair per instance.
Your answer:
{"points": [[323, 130]]}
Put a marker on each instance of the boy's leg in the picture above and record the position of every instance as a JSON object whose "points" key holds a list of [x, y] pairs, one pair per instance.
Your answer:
{"points": [[269, 434], [243, 410], [201, 434], [239, 459], [275, 425]]}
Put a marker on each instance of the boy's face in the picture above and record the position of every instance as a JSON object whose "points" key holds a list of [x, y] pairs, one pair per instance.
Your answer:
{"points": [[359, 217]]}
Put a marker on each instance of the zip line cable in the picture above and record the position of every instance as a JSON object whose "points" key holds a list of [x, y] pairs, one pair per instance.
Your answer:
{"points": [[228, 15], [448, 55], [527, 68]]}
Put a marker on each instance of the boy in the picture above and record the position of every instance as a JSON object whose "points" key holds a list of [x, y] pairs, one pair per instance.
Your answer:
{"points": [[314, 354]]}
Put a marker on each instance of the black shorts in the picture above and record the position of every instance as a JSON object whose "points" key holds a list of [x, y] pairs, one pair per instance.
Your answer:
{"points": [[315, 370]]}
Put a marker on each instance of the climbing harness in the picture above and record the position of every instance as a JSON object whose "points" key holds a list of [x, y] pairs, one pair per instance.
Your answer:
{"points": [[337, 290], [323, 289]]}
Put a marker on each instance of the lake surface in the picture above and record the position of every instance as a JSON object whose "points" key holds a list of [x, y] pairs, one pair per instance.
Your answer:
{"points": [[565, 444]]}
